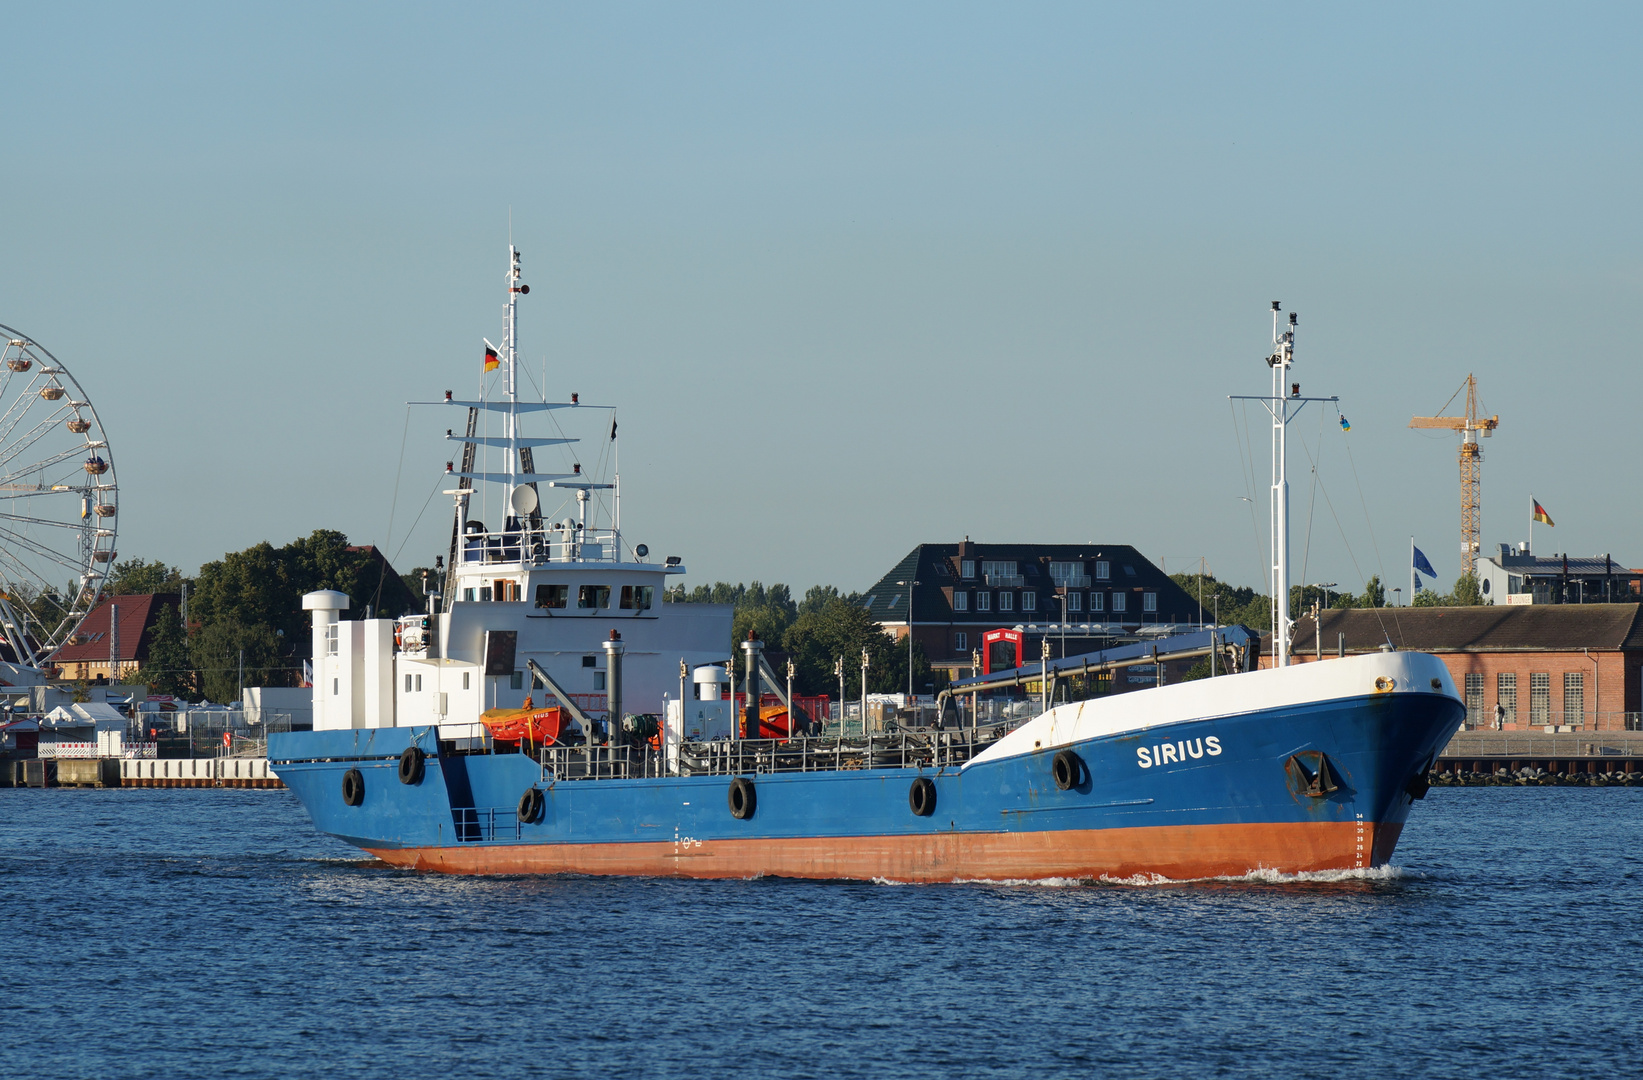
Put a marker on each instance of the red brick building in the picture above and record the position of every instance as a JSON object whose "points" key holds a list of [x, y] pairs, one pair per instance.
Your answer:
{"points": [[1575, 666]]}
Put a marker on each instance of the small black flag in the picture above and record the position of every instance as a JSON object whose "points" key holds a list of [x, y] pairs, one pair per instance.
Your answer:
{"points": [[613, 429]]}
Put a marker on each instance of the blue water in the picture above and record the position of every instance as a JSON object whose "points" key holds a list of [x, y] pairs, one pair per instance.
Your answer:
{"points": [[212, 933]]}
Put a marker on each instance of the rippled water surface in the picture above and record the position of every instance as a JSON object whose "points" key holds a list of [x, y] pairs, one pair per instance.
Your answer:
{"points": [[212, 933]]}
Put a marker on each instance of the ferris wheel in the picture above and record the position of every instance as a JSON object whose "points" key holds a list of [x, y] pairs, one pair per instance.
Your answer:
{"points": [[58, 503]]}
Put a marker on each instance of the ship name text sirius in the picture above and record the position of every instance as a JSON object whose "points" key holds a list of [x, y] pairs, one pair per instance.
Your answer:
{"points": [[431, 748]]}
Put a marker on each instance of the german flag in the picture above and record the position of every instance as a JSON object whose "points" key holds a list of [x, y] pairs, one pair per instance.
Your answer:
{"points": [[492, 361], [1540, 514]]}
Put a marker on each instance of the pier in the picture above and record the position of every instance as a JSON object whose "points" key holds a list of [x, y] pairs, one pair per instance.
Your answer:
{"points": [[219, 772], [1525, 757]]}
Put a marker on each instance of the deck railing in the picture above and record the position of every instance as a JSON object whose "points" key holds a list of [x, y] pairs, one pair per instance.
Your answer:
{"points": [[735, 757]]}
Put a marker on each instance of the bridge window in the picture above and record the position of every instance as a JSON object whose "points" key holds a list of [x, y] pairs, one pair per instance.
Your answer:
{"points": [[637, 597], [552, 596], [590, 597]]}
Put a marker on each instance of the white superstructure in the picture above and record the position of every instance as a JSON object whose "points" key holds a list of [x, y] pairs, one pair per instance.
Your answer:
{"points": [[547, 579]]}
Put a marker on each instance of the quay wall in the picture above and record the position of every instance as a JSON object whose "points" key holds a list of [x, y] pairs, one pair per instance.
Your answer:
{"points": [[140, 772]]}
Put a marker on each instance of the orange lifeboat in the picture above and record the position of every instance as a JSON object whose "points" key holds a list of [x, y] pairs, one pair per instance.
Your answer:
{"points": [[525, 724]]}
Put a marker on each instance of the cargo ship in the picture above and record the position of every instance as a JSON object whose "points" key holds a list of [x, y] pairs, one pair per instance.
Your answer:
{"points": [[432, 750]]}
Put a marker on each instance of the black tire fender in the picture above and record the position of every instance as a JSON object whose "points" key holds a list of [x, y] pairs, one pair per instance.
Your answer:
{"points": [[353, 787], [411, 767], [1067, 769], [921, 797], [743, 798], [531, 805]]}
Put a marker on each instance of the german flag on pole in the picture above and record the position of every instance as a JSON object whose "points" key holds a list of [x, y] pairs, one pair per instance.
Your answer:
{"points": [[492, 361], [1540, 514]]}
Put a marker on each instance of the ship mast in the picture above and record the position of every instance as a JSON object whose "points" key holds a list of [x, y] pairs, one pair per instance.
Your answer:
{"points": [[511, 345], [1284, 404]]}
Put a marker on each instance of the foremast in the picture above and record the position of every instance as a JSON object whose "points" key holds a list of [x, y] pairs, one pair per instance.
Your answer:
{"points": [[1285, 403]]}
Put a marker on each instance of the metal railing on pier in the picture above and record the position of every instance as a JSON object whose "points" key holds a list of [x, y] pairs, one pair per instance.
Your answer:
{"points": [[1538, 744]]}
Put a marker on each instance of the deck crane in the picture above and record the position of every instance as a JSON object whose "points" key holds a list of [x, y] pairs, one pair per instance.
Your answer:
{"points": [[1470, 427]]}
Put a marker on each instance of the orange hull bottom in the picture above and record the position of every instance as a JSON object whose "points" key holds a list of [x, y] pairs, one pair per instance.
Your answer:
{"points": [[1179, 852]]}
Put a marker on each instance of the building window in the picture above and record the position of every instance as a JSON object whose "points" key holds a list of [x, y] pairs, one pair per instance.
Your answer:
{"points": [[1506, 694], [407, 684], [593, 596], [465, 675], [984, 601], [1098, 602], [1574, 697], [334, 689], [598, 680], [967, 569], [1120, 602], [330, 639], [1474, 698], [516, 681], [1003, 573], [1075, 601], [552, 596], [419, 684], [1006, 601], [636, 597], [1149, 601], [1029, 601], [468, 595], [961, 641], [961, 601], [484, 594], [1540, 697], [1069, 575]]}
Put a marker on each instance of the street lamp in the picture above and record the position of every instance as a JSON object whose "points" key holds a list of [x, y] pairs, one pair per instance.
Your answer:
{"points": [[1326, 586], [910, 585]]}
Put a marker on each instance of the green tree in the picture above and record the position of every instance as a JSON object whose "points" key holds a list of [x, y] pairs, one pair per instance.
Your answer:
{"points": [[168, 669], [140, 577], [844, 629], [216, 652], [1467, 593]]}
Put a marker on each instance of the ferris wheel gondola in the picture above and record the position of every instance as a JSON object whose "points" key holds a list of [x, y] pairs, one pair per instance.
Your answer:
{"points": [[58, 503]]}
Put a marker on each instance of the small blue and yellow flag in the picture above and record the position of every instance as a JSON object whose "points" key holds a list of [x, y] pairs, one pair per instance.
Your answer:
{"points": [[1346, 425]]}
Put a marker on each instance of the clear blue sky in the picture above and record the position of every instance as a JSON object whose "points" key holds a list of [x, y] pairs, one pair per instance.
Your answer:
{"points": [[858, 276]]}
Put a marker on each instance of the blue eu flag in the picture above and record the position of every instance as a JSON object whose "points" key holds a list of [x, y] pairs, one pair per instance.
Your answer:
{"points": [[1423, 565]]}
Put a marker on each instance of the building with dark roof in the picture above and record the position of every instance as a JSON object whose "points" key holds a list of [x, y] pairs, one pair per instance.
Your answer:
{"points": [[1575, 666], [96, 651], [1514, 576], [1079, 596]]}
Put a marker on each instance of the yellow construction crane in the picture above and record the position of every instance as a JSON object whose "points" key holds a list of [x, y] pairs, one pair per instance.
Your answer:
{"points": [[1470, 427]]}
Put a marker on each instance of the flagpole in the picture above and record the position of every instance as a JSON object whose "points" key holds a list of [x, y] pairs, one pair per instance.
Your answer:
{"points": [[1531, 523], [1414, 582]]}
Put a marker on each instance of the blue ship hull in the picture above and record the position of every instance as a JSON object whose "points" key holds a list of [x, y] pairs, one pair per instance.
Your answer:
{"points": [[1230, 796]]}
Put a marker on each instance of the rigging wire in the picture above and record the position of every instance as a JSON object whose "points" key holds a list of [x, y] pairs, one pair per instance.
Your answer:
{"points": [[1246, 469], [438, 481], [393, 508], [1370, 525], [1306, 547], [1350, 554]]}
